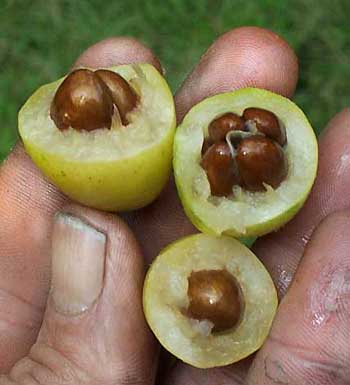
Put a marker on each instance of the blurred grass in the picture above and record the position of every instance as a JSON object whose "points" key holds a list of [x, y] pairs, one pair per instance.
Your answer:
{"points": [[39, 40]]}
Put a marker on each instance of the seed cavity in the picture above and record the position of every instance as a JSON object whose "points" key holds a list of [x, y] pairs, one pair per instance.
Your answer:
{"points": [[215, 296], [87, 100], [255, 144]]}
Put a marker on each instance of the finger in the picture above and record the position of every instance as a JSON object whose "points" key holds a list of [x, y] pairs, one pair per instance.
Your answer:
{"points": [[228, 375], [27, 203], [243, 57], [309, 341], [282, 251], [117, 50], [247, 56], [94, 331]]}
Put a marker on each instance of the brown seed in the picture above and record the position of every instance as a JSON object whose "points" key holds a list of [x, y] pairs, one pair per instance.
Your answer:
{"points": [[124, 97], [267, 123], [215, 295], [220, 126], [83, 102], [259, 159], [220, 168]]}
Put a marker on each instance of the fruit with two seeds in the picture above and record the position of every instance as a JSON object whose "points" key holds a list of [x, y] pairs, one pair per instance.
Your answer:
{"points": [[104, 137]]}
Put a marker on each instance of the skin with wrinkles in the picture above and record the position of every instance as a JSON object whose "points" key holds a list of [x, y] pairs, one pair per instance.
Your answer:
{"points": [[27, 204], [316, 306], [329, 194], [32, 202]]}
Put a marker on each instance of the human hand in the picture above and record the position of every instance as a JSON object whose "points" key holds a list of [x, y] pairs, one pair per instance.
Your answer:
{"points": [[110, 342]]}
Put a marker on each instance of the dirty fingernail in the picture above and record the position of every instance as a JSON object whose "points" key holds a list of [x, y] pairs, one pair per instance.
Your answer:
{"points": [[78, 259]]}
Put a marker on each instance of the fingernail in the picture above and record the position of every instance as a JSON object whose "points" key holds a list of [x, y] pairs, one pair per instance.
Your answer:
{"points": [[78, 259]]}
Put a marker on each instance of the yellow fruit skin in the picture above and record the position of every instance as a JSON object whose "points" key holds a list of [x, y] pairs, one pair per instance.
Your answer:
{"points": [[125, 184], [114, 185]]}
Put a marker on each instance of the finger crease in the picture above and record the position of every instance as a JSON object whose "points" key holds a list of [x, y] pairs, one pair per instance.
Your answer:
{"points": [[311, 363], [31, 314]]}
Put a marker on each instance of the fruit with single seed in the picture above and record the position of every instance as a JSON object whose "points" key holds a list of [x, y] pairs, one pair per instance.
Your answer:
{"points": [[209, 300]]}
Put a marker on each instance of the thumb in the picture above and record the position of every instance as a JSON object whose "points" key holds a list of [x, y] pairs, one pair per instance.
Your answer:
{"points": [[93, 330]]}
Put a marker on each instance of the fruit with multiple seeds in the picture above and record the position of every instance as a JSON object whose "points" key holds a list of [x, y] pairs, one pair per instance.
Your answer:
{"points": [[244, 162]]}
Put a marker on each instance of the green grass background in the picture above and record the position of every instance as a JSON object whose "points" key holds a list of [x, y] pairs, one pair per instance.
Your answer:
{"points": [[39, 40]]}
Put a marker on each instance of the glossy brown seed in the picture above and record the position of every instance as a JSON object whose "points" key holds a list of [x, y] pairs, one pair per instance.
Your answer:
{"points": [[124, 97], [83, 102], [220, 169], [215, 295], [267, 123], [220, 126], [260, 160]]}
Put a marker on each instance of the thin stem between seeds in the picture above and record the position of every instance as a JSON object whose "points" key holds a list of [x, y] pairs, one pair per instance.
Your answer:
{"points": [[235, 134]]}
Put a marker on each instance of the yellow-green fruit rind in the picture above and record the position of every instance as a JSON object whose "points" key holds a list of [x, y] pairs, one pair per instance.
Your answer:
{"points": [[165, 298], [117, 183], [246, 214]]}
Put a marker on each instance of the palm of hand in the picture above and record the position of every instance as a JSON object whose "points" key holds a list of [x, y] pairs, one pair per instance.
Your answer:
{"points": [[314, 308]]}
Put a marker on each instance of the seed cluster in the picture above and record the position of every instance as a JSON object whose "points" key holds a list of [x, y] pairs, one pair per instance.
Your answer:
{"points": [[86, 100], [245, 150]]}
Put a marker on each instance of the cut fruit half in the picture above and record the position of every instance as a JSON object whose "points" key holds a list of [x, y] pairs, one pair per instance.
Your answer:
{"points": [[169, 288], [121, 168], [244, 213]]}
